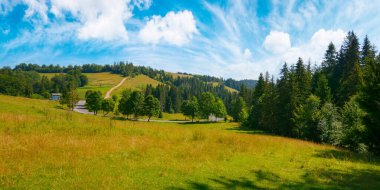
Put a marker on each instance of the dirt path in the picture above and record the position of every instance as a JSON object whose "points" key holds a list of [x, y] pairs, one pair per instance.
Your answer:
{"points": [[108, 94]]}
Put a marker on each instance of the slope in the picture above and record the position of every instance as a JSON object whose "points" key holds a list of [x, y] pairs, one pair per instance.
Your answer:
{"points": [[45, 147]]}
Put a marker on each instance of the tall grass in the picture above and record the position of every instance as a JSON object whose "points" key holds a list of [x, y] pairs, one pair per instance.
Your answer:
{"points": [[43, 146]]}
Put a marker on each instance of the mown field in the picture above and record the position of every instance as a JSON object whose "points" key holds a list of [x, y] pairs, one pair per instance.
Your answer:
{"points": [[43, 146]]}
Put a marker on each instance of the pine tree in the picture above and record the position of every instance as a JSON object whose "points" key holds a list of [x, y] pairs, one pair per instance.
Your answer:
{"points": [[256, 109], [369, 101], [239, 110], [283, 108], [368, 52], [322, 89], [351, 73]]}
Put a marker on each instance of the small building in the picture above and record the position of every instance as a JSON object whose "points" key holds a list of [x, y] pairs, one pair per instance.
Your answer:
{"points": [[55, 96], [212, 117]]}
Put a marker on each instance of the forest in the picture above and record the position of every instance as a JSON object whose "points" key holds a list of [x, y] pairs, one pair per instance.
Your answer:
{"points": [[335, 103]]}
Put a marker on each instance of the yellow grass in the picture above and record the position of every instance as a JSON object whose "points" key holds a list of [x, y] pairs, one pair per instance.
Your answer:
{"points": [[177, 75], [45, 147], [138, 82], [49, 75], [215, 84]]}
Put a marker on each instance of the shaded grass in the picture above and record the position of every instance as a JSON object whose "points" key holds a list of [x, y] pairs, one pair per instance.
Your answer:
{"points": [[42, 147]]}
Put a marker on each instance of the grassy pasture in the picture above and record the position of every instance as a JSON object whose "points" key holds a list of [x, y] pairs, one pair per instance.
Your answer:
{"points": [[99, 82], [177, 75], [43, 146], [138, 82], [96, 81]]}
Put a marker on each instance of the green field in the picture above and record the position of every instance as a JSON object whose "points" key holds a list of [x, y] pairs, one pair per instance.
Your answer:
{"points": [[96, 81], [43, 146], [138, 82]]}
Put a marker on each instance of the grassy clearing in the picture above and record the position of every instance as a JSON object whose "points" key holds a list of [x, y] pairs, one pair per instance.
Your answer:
{"points": [[45, 147], [49, 75], [215, 84], [177, 75], [99, 82], [96, 81], [138, 82]]}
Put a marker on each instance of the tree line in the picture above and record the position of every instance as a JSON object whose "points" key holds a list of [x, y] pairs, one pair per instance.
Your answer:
{"points": [[335, 103], [135, 103], [31, 84], [128, 69]]}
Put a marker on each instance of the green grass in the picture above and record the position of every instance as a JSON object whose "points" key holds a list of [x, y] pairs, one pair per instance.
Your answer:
{"points": [[229, 89], [96, 81], [43, 146], [138, 82], [99, 82]]}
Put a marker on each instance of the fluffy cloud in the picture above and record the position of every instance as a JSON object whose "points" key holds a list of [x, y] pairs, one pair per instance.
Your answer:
{"points": [[277, 42], [100, 19], [174, 28], [312, 49], [322, 38]]}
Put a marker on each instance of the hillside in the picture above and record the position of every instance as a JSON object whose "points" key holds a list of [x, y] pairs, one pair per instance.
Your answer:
{"points": [[43, 146], [138, 82]]}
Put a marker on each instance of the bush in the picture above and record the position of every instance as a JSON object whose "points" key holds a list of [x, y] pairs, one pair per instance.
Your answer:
{"points": [[329, 125]]}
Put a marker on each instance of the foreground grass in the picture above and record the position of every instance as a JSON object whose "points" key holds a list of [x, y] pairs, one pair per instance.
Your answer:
{"points": [[45, 147]]}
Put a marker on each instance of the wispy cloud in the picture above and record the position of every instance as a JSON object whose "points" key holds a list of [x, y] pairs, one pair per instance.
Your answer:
{"points": [[231, 38]]}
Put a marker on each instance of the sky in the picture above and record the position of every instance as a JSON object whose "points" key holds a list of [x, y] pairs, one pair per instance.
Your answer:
{"points": [[225, 38]]}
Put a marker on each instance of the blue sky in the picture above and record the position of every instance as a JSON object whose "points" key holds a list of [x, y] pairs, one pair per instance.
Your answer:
{"points": [[236, 38]]}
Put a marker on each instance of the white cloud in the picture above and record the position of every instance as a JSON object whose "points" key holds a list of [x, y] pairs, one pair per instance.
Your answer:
{"points": [[142, 4], [174, 28], [277, 42], [322, 38], [247, 54], [102, 20], [312, 49], [36, 6]]}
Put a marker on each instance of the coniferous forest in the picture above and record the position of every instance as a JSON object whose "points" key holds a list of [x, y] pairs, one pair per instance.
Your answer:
{"points": [[336, 103]]}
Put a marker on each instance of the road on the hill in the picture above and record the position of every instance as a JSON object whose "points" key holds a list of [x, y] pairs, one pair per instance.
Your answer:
{"points": [[108, 94]]}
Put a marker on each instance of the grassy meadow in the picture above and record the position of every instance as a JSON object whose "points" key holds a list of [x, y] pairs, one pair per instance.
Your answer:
{"points": [[43, 146], [96, 81], [138, 82]]}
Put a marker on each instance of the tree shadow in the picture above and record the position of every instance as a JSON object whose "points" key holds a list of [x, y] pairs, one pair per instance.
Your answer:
{"points": [[346, 155], [324, 179], [246, 130]]}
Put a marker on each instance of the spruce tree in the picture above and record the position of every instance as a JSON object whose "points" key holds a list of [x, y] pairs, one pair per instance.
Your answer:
{"points": [[283, 108], [351, 73], [369, 101], [322, 89], [368, 52]]}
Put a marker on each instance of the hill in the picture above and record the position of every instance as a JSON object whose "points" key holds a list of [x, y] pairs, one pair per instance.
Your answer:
{"points": [[138, 82], [43, 146]]}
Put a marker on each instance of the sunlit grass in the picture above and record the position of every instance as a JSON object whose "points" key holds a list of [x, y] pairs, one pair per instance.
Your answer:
{"points": [[45, 147], [138, 82]]}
